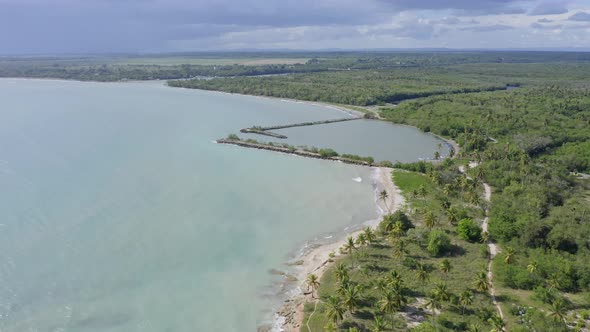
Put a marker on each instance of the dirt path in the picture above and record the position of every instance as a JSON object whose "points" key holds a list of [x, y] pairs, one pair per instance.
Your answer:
{"points": [[493, 248]]}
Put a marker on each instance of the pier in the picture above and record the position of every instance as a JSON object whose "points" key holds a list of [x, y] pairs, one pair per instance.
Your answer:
{"points": [[267, 130]]}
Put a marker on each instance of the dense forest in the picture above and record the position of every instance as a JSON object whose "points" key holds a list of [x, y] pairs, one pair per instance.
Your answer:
{"points": [[370, 87], [531, 144]]}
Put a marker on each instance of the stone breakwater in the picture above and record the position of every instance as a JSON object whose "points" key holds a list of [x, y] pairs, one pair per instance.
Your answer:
{"points": [[298, 152], [267, 130]]}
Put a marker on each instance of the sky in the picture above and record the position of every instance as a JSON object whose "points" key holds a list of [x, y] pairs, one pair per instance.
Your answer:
{"points": [[138, 26]]}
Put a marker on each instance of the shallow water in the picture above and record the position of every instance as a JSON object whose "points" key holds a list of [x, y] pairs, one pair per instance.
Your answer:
{"points": [[119, 213]]}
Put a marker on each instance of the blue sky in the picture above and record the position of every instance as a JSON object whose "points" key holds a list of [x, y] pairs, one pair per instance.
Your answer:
{"points": [[90, 26]]}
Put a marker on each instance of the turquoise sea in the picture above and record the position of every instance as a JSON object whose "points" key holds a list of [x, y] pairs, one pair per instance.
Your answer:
{"points": [[118, 212]]}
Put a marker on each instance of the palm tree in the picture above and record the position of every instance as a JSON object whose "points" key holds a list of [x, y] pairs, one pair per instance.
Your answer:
{"points": [[334, 309], [432, 304], [532, 267], [436, 155], [509, 255], [389, 304], [331, 327], [422, 273], [474, 327], [341, 273], [350, 247], [429, 220], [445, 266], [400, 249], [447, 190], [466, 298], [313, 282], [498, 323], [381, 284], [441, 292], [378, 324], [352, 297], [369, 234], [396, 231], [484, 237], [452, 215], [553, 282], [557, 311], [361, 240], [482, 284], [395, 278], [383, 195], [422, 191]]}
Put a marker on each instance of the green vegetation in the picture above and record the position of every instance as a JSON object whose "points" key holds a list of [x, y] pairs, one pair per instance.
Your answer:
{"points": [[409, 266]]}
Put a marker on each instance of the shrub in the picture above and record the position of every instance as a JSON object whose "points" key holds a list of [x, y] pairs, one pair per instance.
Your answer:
{"points": [[233, 137], [438, 243], [391, 219], [469, 230], [328, 153]]}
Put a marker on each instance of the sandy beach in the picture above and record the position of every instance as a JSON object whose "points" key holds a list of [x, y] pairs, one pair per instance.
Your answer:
{"points": [[316, 260]]}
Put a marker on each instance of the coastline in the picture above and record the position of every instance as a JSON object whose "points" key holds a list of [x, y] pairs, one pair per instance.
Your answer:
{"points": [[289, 317]]}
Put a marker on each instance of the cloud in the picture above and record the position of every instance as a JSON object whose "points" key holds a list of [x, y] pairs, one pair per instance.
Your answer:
{"points": [[55, 26], [580, 16], [488, 28], [463, 7], [546, 27], [548, 8]]}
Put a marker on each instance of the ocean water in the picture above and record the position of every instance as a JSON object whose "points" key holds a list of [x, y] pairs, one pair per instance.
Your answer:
{"points": [[118, 212]]}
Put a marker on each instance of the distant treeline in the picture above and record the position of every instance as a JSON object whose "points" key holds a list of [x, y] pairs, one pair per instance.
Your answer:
{"points": [[115, 69]]}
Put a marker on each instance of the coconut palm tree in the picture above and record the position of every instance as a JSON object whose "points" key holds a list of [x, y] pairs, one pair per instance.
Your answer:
{"points": [[381, 284], [447, 190], [509, 255], [466, 298], [473, 327], [313, 282], [394, 277], [397, 231], [334, 309], [498, 323], [553, 282], [557, 311], [429, 220], [452, 215], [422, 191], [400, 249], [341, 272], [422, 273], [352, 297], [390, 303], [369, 235], [361, 240], [330, 327], [482, 284], [484, 237], [350, 247], [532, 267], [432, 304], [441, 292], [383, 195], [445, 267], [378, 325]]}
